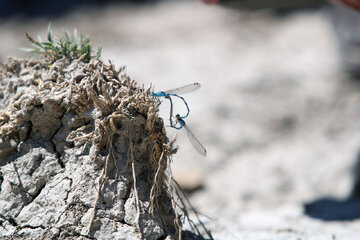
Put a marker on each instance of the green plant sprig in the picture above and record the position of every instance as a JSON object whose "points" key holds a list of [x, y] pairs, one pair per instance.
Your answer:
{"points": [[69, 47]]}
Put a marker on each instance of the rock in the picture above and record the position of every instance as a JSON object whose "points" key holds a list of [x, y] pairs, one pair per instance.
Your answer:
{"points": [[190, 180], [72, 137]]}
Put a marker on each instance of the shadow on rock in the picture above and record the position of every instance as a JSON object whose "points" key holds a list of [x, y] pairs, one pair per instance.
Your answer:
{"points": [[328, 209], [188, 235]]}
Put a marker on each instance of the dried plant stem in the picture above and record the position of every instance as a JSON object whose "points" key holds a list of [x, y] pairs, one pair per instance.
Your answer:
{"points": [[185, 205], [101, 181], [100, 184], [177, 222], [155, 186], [136, 196]]}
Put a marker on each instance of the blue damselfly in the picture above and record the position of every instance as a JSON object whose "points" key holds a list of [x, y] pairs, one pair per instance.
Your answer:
{"points": [[194, 141], [174, 92]]}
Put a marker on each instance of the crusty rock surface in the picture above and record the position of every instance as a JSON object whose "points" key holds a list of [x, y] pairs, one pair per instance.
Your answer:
{"points": [[72, 137]]}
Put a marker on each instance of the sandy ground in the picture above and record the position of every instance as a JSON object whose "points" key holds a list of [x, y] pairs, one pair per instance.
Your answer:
{"points": [[277, 115]]}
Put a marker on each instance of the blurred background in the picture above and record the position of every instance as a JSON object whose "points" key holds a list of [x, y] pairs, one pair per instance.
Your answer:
{"points": [[278, 110]]}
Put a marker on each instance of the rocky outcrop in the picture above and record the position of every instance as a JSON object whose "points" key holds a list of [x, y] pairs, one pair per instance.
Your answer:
{"points": [[83, 154]]}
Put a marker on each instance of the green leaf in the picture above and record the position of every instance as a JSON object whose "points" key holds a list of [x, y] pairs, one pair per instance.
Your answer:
{"points": [[49, 33]]}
